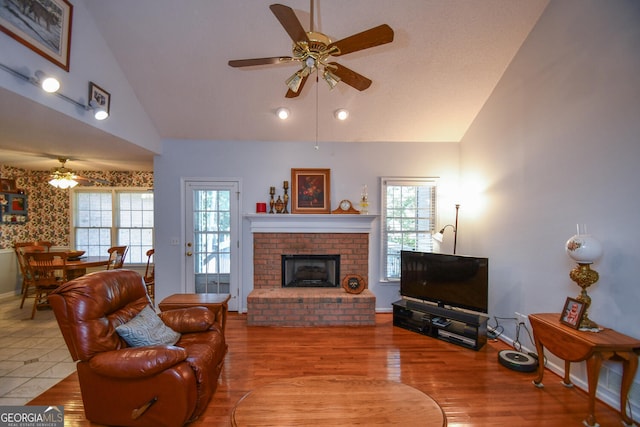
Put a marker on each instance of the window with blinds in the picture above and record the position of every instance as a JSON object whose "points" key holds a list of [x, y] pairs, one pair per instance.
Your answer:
{"points": [[110, 217], [408, 220]]}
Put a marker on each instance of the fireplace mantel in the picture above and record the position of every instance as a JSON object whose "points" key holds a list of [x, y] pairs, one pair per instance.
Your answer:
{"points": [[310, 223]]}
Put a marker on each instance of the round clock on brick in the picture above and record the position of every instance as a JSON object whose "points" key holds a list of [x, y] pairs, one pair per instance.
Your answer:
{"points": [[353, 283]]}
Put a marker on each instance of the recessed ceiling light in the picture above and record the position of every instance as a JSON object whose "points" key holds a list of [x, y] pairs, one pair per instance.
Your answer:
{"points": [[341, 114], [283, 113]]}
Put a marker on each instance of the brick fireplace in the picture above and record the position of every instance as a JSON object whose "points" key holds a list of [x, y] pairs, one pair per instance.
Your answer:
{"points": [[269, 304]]}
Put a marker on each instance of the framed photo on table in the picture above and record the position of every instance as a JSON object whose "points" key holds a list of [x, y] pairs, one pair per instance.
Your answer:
{"points": [[42, 26], [572, 313], [310, 191]]}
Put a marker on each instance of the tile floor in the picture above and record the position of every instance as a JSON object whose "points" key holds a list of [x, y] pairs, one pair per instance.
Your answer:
{"points": [[33, 355]]}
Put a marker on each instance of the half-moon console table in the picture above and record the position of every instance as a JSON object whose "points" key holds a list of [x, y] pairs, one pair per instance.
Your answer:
{"points": [[575, 346]]}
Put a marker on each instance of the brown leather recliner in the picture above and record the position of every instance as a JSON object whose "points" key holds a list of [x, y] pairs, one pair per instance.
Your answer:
{"points": [[158, 385]]}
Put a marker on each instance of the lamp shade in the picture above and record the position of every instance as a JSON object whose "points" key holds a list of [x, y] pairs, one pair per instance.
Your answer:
{"points": [[583, 248]]}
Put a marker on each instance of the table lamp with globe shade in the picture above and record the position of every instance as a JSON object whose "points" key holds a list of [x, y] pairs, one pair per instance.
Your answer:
{"points": [[585, 250]]}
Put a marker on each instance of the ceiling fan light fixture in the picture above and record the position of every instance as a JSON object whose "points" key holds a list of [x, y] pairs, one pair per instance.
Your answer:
{"points": [[283, 113], [294, 82], [341, 114], [64, 181], [47, 83], [331, 79]]}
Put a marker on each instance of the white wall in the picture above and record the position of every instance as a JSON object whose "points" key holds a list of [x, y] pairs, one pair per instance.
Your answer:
{"points": [[262, 164], [558, 143]]}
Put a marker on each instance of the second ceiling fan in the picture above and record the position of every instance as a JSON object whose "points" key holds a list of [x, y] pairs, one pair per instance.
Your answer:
{"points": [[314, 49]]}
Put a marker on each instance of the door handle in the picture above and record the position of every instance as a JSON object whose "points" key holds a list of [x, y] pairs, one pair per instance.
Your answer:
{"points": [[189, 253]]}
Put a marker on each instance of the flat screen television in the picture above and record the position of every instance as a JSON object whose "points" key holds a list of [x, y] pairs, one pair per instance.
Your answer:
{"points": [[453, 281]]}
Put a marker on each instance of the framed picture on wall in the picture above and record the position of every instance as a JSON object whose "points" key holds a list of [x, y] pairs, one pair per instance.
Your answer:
{"points": [[42, 26], [8, 185], [572, 313], [17, 204], [310, 191]]}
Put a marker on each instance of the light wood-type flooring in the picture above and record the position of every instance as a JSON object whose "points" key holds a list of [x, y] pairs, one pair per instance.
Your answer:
{"points": [[471, 386]]}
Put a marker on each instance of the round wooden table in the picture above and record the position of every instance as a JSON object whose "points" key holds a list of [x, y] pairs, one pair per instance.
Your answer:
{"points": [[334, 400]]}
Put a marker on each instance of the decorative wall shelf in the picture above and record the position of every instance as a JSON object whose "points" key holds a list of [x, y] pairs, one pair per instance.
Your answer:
{"points": [[310, 223]]}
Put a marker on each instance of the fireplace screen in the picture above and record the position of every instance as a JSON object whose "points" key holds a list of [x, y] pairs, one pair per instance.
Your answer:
{"points": [[318, 271]]}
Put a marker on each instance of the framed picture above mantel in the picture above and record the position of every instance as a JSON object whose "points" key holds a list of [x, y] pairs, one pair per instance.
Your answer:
{"points": [[310, 191]]}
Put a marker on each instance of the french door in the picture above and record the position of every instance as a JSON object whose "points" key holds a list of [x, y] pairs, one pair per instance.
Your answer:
{"points": [[212, 238]]}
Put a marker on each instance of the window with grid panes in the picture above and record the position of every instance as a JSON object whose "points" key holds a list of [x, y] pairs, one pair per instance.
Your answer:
{"points": [[408, 220], [105, 218]]}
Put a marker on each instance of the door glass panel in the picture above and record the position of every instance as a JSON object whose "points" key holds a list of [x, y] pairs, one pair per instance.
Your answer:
{"points": [[212, 240]]}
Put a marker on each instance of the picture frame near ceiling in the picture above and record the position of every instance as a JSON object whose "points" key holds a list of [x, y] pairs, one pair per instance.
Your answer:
{"points": [[44, 26], [310, 191], [100, 96]]}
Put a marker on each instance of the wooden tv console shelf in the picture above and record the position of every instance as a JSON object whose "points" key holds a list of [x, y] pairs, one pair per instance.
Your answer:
{"points": [[458, 327]]}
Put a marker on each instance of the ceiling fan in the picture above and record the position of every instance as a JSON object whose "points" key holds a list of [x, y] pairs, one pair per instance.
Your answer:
{"points": [[63, 177], [314, 49]]}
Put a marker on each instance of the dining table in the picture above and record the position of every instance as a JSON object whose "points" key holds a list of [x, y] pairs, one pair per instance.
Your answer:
{"points": [[77, 267]]}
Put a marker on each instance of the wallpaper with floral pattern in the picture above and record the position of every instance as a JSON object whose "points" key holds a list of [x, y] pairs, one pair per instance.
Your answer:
{"points": [[48, 207]]}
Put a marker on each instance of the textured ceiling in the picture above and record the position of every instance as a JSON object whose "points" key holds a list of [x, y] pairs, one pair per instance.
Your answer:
{"points": [[428, 84]]}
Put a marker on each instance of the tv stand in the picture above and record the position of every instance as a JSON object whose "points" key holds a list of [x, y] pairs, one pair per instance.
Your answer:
{"points": [[458, 327]]}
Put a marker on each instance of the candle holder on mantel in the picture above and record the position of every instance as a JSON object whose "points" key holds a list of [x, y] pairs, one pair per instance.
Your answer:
{"points": [[272, 191], [285, 186]]}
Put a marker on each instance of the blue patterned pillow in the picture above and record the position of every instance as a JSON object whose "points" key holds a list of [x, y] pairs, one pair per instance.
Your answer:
{"points": [[147, 329]]}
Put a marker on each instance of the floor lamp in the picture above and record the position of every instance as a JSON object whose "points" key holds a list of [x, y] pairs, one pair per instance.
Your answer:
{"points": [[440, 234]]}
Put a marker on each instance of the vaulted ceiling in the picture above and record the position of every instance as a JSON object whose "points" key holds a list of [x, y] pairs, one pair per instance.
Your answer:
{"points": [[428, 84]]}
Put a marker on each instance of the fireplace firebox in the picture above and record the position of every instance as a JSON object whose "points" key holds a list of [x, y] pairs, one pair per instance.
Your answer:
{"points": [[310, 271]]}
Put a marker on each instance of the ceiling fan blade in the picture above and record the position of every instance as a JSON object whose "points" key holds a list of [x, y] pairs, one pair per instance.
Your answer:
{"points": [[90, 181], [260, 61], [376, 36], [292, 94], [290, 22], [350, 77]]}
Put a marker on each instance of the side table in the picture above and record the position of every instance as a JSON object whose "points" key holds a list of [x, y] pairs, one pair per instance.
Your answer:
{"points": [[575, 346], [217, 303]]}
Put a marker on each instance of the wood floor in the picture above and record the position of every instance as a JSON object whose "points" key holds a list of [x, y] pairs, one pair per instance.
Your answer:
{"points": [[472, 387]]}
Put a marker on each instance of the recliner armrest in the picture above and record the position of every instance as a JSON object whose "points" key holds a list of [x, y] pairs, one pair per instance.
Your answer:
{"points": [[137, 362], [190, 319]]}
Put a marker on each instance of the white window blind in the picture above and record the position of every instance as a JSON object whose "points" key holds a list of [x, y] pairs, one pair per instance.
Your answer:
{"points": [[408, 220]]}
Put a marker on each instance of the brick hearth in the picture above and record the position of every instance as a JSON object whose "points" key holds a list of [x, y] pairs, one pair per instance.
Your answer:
{"points": [[271, 305]]}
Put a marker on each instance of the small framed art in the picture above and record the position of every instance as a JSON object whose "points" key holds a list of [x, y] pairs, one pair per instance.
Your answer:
{"points": [[572, 313], [8, 185], [101, 97]]}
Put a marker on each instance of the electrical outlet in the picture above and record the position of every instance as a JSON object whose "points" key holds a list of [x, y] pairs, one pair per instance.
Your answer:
{"points": [[521, 317]]}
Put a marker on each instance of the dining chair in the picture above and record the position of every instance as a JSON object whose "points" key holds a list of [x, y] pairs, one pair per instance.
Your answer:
{"points": [[21, 248], [149, 275], [116, 257], [46, 271]]}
